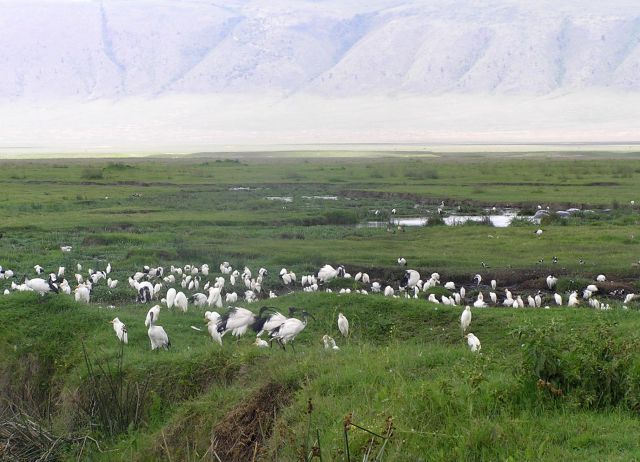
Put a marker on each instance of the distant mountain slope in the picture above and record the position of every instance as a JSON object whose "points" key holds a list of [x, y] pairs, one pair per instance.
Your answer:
{"points": [[117, 49]]}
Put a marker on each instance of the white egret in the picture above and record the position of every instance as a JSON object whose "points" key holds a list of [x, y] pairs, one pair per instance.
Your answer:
{"points": [[328, 272], [181, 302], [343, 325], [473, 342], [465, 319], [120, 329], [157, 335]]}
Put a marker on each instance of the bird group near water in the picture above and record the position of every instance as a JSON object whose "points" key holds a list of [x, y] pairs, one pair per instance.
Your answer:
{"points": [[196, 286]]}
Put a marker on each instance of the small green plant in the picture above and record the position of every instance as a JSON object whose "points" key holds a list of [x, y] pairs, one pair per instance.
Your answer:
{"points": [[589, 367], [91, 173], [114, 405]]}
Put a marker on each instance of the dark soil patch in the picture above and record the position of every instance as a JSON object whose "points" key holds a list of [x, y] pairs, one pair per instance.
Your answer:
{"points": [[241, 433]]}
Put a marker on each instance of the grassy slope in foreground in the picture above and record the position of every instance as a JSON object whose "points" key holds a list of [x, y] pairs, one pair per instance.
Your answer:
{"points": [[405, 359]]}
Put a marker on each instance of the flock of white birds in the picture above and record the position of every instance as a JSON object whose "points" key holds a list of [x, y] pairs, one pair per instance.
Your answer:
{"points": [[151, 283]]}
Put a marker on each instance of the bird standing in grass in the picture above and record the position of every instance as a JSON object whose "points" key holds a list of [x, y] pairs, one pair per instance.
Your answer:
{"points": [[237, 320], [42, 286], [343, 325], [269, 319], [465, 319], [290, 329], [120, 329], [181, 302], [473, 342], [157, 335]]}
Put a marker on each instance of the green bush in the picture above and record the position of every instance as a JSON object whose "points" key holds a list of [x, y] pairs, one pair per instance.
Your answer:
{"points": [[91, 173], [589, 367], [571, 284], [435, 220], [333, 217]]}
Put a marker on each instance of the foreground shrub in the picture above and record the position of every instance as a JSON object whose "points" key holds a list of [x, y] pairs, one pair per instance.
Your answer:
{"points": [[589, 367]]}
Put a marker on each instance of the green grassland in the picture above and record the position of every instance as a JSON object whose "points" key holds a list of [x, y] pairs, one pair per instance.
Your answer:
{"points": [[406, 359]]}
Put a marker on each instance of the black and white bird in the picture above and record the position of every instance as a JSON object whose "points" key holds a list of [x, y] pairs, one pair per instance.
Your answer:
{"points": [[144, 291], [269, 319], [237, 320], [289, 330], [41, 286], [410, 279], [153, 313]]}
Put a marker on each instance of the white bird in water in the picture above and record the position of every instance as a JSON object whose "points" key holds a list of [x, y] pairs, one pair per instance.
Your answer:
{"points": [[465, 319], [343, 325], [473, 342], [120, 329]]}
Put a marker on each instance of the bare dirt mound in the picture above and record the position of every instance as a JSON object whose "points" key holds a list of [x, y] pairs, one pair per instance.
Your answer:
{"points": [[241, 433]]}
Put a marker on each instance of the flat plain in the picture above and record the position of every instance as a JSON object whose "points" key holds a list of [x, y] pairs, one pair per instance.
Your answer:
{"points": [[560, 383]]}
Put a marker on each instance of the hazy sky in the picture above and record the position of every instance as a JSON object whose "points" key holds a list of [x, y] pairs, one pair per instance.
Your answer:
{"points": [[154, 75]]}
